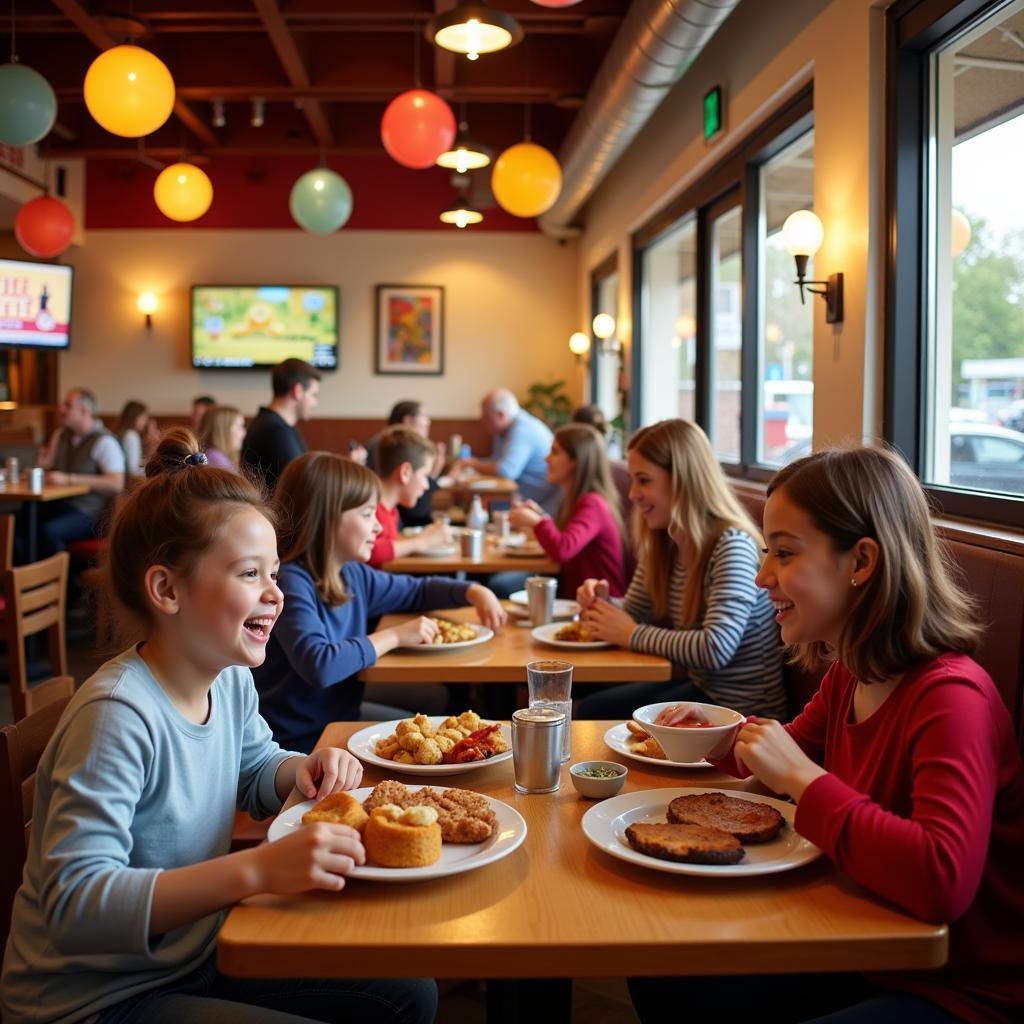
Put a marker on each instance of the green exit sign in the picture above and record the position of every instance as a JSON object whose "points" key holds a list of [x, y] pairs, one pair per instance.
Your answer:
{"points": [[713, 113]]}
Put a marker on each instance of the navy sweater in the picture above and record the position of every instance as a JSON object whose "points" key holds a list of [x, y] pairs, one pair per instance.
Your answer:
{"points": [[315, 652]]}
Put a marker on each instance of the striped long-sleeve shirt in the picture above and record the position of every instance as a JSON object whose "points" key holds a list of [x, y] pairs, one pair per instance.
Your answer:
{"points": [[733, 653]]}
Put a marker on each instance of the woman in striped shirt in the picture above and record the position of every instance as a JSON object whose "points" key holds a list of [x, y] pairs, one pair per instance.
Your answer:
{"points": [[693, 598]]}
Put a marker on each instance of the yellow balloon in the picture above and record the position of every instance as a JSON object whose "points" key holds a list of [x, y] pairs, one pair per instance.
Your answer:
{"points": [[183, 192], [526, 179], [129, 91]]}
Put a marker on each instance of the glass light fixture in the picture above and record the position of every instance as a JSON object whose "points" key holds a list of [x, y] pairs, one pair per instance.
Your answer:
{"points": [[803, 234], [465, 155], [474, 28], [603, 326], [461, 213], [148, 304], [579, 345]]}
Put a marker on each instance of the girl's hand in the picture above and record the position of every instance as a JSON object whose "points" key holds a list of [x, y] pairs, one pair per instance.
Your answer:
{"points": [[334, 769], [316, 856], [607, 622], [437, 535], [415, 632], [764, 747], [522, 517], [488, 607], [591, 591]]}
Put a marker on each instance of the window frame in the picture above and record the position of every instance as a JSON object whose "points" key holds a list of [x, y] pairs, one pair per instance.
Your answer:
{"points": [[914, 28], [737, 176], [598, 275]]}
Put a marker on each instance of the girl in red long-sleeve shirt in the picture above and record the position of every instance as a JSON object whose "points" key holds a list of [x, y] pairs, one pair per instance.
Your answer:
{"points": [[588, 536], [904, 765]]}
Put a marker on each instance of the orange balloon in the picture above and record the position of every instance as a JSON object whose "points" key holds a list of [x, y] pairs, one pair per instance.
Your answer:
{"points": [[417, 127], [526, 179]]}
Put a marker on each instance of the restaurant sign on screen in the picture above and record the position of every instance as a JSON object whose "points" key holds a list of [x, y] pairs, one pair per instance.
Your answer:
{"points": [[35, 304], [247, 326]]}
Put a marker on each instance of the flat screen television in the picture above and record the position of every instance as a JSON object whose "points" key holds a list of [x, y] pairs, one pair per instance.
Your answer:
{"points": [[245, 326], [35, 304]]}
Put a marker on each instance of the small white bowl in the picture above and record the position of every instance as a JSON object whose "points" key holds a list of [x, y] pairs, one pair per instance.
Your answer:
{"points": [[597, 789], [694, 743]]}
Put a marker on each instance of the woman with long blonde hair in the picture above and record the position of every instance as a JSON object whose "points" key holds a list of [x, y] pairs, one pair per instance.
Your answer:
{"points": [[692, 598], [221, 433], [587, 538], [322, 640]]}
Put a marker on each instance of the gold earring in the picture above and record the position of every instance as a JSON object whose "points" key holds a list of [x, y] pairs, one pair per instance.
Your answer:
{"points": [[853, 581]]}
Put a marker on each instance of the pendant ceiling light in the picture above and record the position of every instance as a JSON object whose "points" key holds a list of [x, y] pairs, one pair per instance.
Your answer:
{"points": [[465, 155], [474, 28], [460, 213], [129, 91]]}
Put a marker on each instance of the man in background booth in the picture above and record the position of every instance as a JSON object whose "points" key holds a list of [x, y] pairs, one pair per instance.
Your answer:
{"points": [[272, 440], [521, 443], [199, 406], [81, 451]]}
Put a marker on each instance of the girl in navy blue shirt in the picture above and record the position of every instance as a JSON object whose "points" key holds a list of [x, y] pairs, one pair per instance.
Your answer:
{"points": [[322, 641]]}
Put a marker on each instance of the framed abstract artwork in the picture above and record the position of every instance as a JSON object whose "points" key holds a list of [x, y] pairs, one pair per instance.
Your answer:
{"points": [[410, 329]]}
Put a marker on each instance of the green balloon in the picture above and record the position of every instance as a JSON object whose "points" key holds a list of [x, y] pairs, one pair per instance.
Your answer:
{"points": [[28, 106], [321, 201]]}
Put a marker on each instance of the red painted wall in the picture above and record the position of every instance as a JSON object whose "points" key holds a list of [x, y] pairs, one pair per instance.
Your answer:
{"points": [[252, 192]]}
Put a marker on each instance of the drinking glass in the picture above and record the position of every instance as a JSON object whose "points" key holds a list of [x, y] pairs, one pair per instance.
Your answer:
{"points": [[550, 686]]}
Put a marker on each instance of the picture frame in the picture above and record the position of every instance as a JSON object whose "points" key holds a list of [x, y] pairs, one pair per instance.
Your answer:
{"points": [[409, 330]]}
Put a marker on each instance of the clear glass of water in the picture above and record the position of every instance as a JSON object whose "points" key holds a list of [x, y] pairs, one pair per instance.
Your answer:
{"points": [[550, 686]]}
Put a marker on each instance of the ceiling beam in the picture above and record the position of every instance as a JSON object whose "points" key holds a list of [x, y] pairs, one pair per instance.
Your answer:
{"points": [[103, 40], [294, 67], [350, 93]]}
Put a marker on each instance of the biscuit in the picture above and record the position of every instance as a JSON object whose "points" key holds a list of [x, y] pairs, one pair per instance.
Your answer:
{"points": [[396, 838], [337, 809]]}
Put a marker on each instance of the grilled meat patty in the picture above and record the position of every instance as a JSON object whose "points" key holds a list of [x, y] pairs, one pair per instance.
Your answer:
{"points": [[750, 821], [690, 844]]}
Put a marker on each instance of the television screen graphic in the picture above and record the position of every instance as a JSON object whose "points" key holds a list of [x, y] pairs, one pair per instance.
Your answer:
{"points": [[240, 326], [35, 304]]}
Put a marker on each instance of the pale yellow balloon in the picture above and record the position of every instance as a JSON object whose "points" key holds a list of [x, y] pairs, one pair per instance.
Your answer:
{"points": [[183, 192], [526, 180], [129, 91]]}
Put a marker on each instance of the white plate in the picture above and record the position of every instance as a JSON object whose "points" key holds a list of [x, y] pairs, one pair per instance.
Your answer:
{"points": [[483, 634], [513, 540], [487, 484], [546, 635], [564, 608], [605, 826], [363, 744], [445, 551], [509, 833], [617, 737], [411, 531], [528, 550]]}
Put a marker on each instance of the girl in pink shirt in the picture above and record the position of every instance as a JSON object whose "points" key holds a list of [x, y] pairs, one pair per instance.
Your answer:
{"points": [[904, 765], [588, 536]]}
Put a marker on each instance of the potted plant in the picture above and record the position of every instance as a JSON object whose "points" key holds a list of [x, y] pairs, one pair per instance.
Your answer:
{"points": [[549, 402]]}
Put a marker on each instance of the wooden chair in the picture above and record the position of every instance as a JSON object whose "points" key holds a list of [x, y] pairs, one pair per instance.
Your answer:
{"points": [[21, 746], [36, 596], [6, 553]]}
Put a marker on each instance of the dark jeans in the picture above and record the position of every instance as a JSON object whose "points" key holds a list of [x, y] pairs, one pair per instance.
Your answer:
{"points": [[781, 999], [621, 701], [59, 524], [208, 997]]}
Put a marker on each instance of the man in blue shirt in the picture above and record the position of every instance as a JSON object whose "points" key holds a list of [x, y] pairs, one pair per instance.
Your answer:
{"points": [[521, 444]]}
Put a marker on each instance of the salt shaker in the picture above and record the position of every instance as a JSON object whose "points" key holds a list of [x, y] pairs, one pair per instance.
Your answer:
{"points": [[537, 749], [540, 598], [472, 544], [35, 479]]}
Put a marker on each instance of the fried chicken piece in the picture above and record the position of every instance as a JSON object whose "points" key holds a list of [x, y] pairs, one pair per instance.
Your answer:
{"points": [[428, 752], [390, 791], [410, 740], [404, 757], [464, 816], [444, 742], [425, 725], [406, 725], [637, 730], [469, 720], [387, 747]]}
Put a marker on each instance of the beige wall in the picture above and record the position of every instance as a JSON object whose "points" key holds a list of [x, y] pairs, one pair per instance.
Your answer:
{"points": [[511, 304], [763, 54]]}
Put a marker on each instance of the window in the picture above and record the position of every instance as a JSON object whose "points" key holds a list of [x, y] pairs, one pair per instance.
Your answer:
{"points": [[955, 296], [720, 335], [785, 328], [606, 354]]}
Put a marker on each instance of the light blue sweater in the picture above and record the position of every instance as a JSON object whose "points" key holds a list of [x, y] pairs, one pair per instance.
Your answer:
{"points": [[128, 787]]}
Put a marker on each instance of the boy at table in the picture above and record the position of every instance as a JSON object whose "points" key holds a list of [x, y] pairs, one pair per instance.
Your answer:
{"points": [[403, 459]]}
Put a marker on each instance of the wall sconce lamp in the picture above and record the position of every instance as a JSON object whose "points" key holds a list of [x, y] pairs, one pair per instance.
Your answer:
{"points": [[603, 326], [803, 234], [579, 346], [147, 303]]}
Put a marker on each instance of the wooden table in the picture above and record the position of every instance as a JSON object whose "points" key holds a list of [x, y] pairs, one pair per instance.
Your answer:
{"points": [[495, 559], [557, 907], [503, 659], [51, 492]]}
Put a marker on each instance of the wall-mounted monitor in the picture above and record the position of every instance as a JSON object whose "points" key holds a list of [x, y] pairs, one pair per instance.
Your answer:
{"points": [[245, 326], [35, 304]]}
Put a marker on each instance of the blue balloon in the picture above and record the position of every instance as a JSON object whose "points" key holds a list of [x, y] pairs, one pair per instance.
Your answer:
{"points": [[28, 106], [321, 201]]}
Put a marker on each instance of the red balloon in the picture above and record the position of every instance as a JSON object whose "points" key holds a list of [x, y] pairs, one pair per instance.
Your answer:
{"points": [[44, 227], [417, 128]]}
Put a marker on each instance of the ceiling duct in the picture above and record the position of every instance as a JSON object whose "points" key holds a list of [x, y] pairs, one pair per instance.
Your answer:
{"points": [[658, 41]]}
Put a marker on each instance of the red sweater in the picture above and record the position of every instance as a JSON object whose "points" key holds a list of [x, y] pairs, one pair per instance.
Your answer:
{"points": [[924, 806], [589, 546], [384, 544]]}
